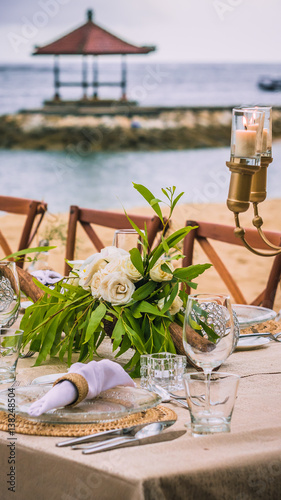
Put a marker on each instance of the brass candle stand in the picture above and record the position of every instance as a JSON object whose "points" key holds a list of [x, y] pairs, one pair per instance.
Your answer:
{"points": [[248, 185]]}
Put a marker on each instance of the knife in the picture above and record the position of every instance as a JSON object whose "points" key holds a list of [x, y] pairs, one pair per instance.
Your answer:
{"points": [[144, 434], [92, 437]]}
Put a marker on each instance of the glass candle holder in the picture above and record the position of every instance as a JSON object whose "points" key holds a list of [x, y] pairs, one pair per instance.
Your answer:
{"points": [[162, 368], [266, 148], [246, 135]]}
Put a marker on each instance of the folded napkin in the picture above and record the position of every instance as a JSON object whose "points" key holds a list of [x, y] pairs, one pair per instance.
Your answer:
{"points": [[98, 375], [47, 277]]}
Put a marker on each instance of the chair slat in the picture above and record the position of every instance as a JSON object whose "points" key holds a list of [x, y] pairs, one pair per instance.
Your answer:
{"points": [[218, 232]]}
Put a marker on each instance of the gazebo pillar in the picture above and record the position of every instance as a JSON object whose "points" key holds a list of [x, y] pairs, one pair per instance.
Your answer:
{"points": [[84, 76], [124, 78], [56, 78], [95, 77]]}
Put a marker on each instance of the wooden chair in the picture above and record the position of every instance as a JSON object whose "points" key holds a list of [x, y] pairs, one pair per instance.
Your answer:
{"points": [[113, 220], [207, 231], [33, 210]]}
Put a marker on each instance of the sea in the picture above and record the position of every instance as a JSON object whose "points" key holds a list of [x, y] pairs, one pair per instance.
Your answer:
{"points": [[104, 180]]}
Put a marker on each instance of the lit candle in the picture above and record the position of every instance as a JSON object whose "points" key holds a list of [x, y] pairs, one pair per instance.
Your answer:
{"points": [[245, 143], [255, 126]]}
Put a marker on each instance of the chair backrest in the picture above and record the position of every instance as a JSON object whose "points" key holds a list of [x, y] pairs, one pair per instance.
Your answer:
{"points": [[29, 208], [113, 220], [207, 231]]}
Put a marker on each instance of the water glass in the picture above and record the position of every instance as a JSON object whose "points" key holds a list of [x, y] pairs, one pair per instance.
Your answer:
{"points": [[162, 368], [223, 390], [10, 343], [126, 239]]}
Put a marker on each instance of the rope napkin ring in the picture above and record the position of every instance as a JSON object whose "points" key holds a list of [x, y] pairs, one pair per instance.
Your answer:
{"points": [[79, 382]]}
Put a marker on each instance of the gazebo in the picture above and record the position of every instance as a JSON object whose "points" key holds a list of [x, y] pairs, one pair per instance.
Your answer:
{"points": [[90, 39]]}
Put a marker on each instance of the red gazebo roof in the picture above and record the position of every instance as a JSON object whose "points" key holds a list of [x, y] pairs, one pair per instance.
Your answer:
{"points": [[91, 39]]}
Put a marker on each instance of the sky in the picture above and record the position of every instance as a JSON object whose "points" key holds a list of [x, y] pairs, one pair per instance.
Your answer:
{"points": [[183, 30]]}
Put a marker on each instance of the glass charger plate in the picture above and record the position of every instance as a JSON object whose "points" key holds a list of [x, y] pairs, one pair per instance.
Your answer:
{"points": [[250, 343], [109, 405], [252, 315], [47, 379]]}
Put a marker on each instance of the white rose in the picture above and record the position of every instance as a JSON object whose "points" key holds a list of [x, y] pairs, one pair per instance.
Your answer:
{"points": [[87, 272], [117, 289], [73, 279], [114, 265], [157, 274], [128, 268], [111, 253], [175, 307], [95, 284]]}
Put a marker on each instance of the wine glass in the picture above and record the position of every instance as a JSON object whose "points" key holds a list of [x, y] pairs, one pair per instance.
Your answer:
{"points": [[126, 239], [208, 333], [9, 293]]}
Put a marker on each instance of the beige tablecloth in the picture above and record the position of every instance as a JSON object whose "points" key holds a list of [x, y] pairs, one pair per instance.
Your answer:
{"points": [[245, 464]]}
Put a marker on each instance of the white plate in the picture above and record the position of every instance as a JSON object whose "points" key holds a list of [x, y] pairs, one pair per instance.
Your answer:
{"points": [[109, 405], [252, 343], [47, 379], [252, 315]]}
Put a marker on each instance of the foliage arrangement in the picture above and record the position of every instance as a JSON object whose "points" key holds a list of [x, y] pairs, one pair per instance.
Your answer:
{"points": [[136, 296]]}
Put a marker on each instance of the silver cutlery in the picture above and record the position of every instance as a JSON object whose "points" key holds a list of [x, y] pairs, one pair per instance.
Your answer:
{"points": [[147, 431], [272, 336], [166, 396], [122, 432]]}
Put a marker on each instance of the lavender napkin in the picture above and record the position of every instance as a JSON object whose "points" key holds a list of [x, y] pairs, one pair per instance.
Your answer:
{"points": [[46, 277], [100, 375]]}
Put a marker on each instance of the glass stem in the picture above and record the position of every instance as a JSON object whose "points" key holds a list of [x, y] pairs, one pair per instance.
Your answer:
{"points": [[207, 389]]}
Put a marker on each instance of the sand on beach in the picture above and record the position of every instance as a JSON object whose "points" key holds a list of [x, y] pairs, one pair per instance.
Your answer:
{"points": [[250, 271]]}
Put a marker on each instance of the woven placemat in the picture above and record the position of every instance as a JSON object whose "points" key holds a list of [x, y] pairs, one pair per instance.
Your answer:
{"points": [[23, 426], [267, 326]]}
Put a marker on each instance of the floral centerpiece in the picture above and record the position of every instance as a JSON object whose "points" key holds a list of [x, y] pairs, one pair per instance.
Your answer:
{"points": [[134, 296]]}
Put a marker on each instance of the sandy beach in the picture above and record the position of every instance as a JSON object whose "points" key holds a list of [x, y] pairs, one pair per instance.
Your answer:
{"points": [[250, 271]]}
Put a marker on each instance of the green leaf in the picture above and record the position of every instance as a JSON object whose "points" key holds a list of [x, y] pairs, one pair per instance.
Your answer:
{"points": [[47, 290], [149, 197], [137, 260], [166, 268], [165, 244], [171, 298], [95, 319], [176, 201], [118, 333], [171, 241], [191, 272], [145, 290], [48, 340], [27, 251], [146, 307]]}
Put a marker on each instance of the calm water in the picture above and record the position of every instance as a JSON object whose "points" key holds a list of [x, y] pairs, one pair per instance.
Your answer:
{"points": [[104, 180], [27, 85]]}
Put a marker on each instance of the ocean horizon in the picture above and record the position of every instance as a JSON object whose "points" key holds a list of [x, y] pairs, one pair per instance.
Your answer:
{"points": [[27, 85]]}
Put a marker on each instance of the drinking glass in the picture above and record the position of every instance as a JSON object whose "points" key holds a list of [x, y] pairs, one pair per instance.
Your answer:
{"points": [[208, 333], [126, 239], [9, 293], [10, 343]]}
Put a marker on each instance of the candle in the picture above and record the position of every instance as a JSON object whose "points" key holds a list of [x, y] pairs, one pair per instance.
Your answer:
{"points": [[255, 126], [245, 144]]}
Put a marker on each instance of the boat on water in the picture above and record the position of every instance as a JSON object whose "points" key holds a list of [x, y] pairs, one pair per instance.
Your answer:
{"points": [[270, 84]]}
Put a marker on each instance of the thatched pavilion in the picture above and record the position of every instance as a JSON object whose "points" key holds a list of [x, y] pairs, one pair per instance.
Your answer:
{"points": [[90, 39]]}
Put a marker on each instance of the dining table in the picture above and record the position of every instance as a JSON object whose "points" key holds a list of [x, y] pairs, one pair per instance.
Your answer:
{"points": [[242, 464]]}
